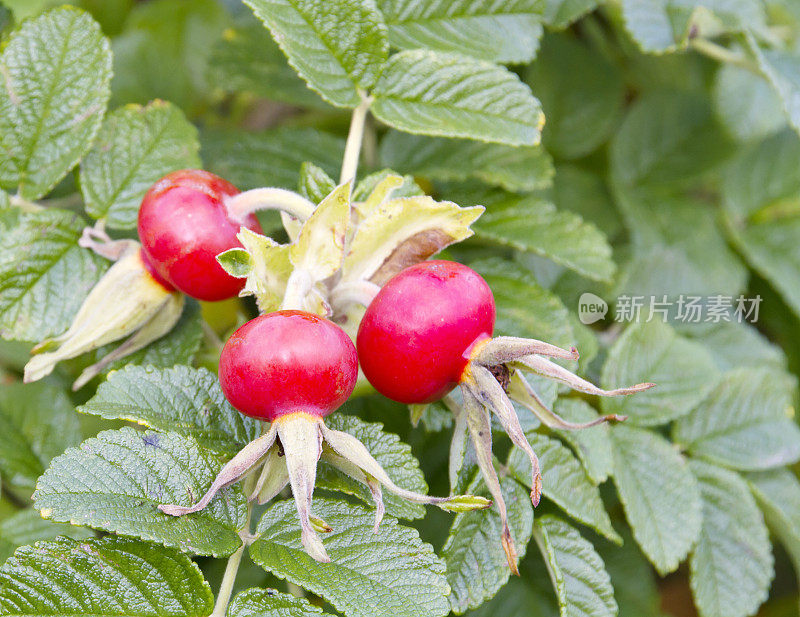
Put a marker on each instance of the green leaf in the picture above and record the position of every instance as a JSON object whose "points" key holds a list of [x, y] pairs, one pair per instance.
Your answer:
{"points": [[559, 14], [659, 494], [592, 445], [111, 577], [246, 59], [367, 185], [579, 576], [778, 493], [271, 603], [135, 147], [179, 346], [532, 224], [164, 50], [746, 104], [37, 422], [476, 563], [185, 400], [731, 567], [27, 527], [393, 455], [56, 69], [391, 573], [564, 481], [499, 32], [761, 193], [581, 93], [678, 247], [44, 274], [524, 308], [454, 96], [658, 26], [734, 345], [634, 581], [667, 138], [782, 70], [585, 193], [273, 158], [115, 481], [745, 422], [515, 168], [339, 48], [315, 184], [651, 351]]}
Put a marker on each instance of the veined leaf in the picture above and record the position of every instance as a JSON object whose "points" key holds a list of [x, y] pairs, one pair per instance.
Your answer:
{"points": [[314, 183], [659, 26], [651, 351], [734, 345], [782, 70], [115, 481], [44, 274], [56, 69], [559, 14], [592, 445], [37, 422], [454, 96], [493, 31], [246, 59], [581, 93], [532, 224], [393, 455], [515, 168], [271, 603], [185, 400], [565, 482], [745, 422], [391, 573], [114, 577], [523, 307], [476, 563], [339, 48], [667, 138], [778, 493], [731, 566], [761, 193], [269, 158], [27, 527], [746, 104], [135, 147], [659, 494], [582, 585]]}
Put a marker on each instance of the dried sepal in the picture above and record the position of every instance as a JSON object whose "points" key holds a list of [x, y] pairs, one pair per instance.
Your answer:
{"points": [[353, 471], [546, 368], [484, 387], [479, 425], [523, 393], [502, 349], [125, 300], [272, 480], [301, 438]]}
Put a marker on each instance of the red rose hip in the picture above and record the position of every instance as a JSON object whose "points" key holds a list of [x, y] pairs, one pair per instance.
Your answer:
{"points": [[184, 225], [287, 362], [417, 334]]}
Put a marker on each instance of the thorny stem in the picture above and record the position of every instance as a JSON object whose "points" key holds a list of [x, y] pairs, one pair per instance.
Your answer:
{"points": [[352, 148], [723, 54], [231, 570]]}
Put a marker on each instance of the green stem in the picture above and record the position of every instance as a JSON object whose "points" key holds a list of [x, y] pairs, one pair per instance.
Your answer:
{"points": [[24, 204], [231, 570], [723, 54], [352, 148]]}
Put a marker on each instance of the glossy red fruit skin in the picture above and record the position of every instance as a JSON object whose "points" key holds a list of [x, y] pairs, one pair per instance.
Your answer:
{"points": [[183, 226], [288, 362], [416, 336]]}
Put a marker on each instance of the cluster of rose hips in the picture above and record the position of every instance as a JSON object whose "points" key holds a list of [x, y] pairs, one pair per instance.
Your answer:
{"points": [[427, 331]]}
